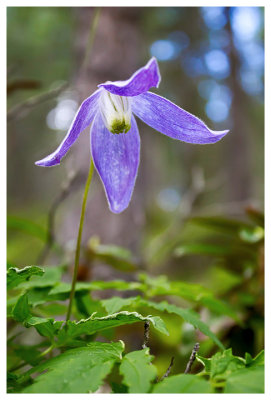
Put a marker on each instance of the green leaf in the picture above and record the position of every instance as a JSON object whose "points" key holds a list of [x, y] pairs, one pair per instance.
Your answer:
{"points": [[118, 257], [45, 326], [258, 360], [203, 249], [27, 226], [183, 383], [221, 365], [189, 316], [220, 224], [29, 354], [252, 234], [193, 292], [87, 306], [137, 370], [52, 276], [115, 304], [21, 310], [79, 370], [246, 380], [92, 325], [51, 309], [15, 276], [64, 287]]}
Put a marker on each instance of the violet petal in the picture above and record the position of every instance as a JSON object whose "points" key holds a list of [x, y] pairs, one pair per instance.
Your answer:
{"points": [[82, 119], [116, 158], [171, 120], [141, 81]]}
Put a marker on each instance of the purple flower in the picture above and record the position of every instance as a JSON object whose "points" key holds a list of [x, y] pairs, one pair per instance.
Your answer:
{"points": [[114, 136]]}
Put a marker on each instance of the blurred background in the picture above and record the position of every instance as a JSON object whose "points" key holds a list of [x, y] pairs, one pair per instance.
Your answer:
{"points": [[196, 212]]}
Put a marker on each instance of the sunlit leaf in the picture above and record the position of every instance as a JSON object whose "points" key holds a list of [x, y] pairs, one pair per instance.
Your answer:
{"points": [[252, 235]]}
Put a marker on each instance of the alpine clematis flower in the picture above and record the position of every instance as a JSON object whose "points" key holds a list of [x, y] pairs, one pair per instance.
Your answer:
{"points": [[114, 136]]}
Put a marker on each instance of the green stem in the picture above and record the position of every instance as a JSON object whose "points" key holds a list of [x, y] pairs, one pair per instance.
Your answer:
{"points": [[78, 244], [46, 351]]}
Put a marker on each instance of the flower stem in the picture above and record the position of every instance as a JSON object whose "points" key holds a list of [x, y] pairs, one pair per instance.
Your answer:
{"points": [[78, 244]]}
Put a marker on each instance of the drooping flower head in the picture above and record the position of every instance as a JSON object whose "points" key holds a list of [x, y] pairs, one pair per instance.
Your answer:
{"points": [[114, 136]]}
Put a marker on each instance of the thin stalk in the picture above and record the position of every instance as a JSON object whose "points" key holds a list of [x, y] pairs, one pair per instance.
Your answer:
{"points": [[91, 36], [78, 244]]}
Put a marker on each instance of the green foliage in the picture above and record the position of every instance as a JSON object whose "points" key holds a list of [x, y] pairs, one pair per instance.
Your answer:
{"points": [[16, 276], [92, 325], [235, 374], [75, 362], [189, 316], [21, 310], [246, 381], [116, 256], [80, 370], [183, 384], [26, 226], [138, 372], [117, 303], [222, 364]]}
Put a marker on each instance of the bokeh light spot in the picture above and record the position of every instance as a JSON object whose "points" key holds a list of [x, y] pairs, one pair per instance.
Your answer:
{"points": [[217, 63], [246, 22], [217, 110], [168, 199], [164, 50]]}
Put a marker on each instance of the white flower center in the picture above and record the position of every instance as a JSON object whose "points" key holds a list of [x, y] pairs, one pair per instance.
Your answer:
{"points": [[116, 112]]}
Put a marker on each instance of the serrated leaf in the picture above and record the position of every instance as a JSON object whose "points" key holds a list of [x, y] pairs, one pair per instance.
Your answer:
{"points": [[16, 276], [221, 365], [21, 310], [189, 316], [80, 370], [92, 325], [137, 370], [183, 383], [52, 275], [247, 380]]}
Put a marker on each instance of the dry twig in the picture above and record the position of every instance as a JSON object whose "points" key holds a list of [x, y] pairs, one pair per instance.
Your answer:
{"points": [[192, 358], [146, 334]]}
